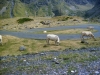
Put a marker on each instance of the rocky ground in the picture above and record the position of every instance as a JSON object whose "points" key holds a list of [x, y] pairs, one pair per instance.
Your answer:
{"points": [[84, 61]]}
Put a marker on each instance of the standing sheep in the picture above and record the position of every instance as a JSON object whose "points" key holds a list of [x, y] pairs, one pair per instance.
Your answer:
{"points": [[87, 34], [53, 37], [90, 28]]}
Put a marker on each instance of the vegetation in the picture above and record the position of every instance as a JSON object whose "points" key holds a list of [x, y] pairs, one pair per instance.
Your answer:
{"points": [[2, 2], [78, 57], [22, 20], [66, 31], [63, 19], [43, 8], [11, 45]]}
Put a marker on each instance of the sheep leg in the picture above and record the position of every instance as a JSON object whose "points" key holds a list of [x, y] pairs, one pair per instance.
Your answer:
{"points": [[82, 38], [56, 43], [1, 41], [87, 37], [47, 41]]}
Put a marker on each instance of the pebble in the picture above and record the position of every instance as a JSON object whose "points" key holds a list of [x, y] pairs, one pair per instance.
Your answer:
{"points": [[72, 71], [22, 48], [24, 60], [55, 58], [96, 72]]}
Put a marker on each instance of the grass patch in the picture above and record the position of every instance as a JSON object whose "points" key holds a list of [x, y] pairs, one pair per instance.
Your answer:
{"points": [[22, 20], [11, 45], [71, 68], [3, 71], [63, 18], [67, 31], [76, 57], [48, 57]]}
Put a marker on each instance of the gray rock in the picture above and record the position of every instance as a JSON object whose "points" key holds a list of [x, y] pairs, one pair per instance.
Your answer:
{"points": [[83, 41], [22, 48]]}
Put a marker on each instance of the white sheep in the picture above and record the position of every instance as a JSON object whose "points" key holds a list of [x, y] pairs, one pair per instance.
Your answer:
{"points": [[0, 39], [53, 37], [90, 28], [87, 34]]}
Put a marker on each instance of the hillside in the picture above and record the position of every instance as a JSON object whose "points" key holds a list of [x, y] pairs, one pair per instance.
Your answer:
{"points": [[44, 8], [95, 11], [40, 22]]}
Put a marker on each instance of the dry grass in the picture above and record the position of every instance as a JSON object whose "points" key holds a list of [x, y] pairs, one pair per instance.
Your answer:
{"points": [[11, 23], [67, 31], [11, 45]]}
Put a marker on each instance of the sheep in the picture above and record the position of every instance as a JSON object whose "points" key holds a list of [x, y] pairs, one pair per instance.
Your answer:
{"points": [[53, 37], [90, 28], [87, 34], [0, 39]]}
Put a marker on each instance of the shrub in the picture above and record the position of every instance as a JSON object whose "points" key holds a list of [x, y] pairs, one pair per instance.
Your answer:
{"points": [[84, 20], [45, 23], [63, 19], [75, 20], [42, 22], [22, 20]]}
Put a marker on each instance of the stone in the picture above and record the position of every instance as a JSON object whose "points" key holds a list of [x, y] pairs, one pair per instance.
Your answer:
{"points": [[83, 41], [44, 31], [97, 72], [22, 48]]}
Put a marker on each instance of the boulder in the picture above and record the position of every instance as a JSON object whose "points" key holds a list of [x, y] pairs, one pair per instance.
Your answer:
{"points": [[22, 48]]}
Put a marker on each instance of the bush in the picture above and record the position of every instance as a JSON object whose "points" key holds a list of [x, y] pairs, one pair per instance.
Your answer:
{"points": [[22, 20], [84, 20], [75, 20], [42, 22], [63, 19]]}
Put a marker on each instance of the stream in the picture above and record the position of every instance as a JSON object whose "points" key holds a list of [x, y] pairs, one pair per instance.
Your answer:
{"points": [[28, 33]]}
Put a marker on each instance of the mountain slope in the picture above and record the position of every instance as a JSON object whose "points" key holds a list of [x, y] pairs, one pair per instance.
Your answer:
{"points": [[13, 8], [95, 11], [44, 8]]}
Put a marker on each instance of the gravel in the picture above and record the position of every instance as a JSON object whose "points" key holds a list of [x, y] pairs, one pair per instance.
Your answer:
{"points": [[53, 63]]}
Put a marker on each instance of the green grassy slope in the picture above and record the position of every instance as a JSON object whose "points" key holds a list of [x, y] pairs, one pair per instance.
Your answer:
{"points": [[20, 9], [42, 8]]}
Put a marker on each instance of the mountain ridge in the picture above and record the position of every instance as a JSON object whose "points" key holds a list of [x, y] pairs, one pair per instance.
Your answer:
{"points": [[95, 11], [44, 8]]}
